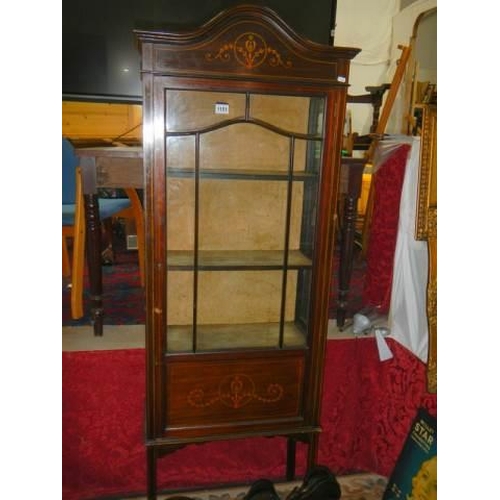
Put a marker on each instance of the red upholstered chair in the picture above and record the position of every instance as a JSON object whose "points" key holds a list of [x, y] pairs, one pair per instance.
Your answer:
{"points": [[381, 245]]}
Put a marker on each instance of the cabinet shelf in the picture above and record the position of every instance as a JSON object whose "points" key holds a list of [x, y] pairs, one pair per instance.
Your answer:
{"points": [[237, 260], [243, 174], [234, 336]]}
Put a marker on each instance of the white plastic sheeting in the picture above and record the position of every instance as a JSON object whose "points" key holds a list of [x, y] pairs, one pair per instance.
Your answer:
{"points": [[408, 310]]}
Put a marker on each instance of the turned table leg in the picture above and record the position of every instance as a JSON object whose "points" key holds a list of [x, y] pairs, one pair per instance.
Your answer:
{"points": [[351, 180], [93, 241], [346, 257]]}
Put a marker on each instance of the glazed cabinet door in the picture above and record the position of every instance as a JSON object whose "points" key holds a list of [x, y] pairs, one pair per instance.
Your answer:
{"points": [[242, 136], [241, 173]]}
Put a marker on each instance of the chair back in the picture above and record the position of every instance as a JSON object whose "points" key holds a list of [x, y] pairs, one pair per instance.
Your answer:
{"points": [[69, 164]]}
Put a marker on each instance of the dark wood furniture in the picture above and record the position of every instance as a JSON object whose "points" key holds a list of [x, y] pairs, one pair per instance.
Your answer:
{"points": [[374, 97], [122, 167], [112, 167], [351, 177], [242, 122]]}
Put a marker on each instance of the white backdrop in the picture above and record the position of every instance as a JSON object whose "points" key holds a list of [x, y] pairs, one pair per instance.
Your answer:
{"points": [[408, 311], [366, 24], [377, 27]]}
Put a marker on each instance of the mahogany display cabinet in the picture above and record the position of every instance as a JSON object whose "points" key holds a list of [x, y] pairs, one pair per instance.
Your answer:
{"points": [[242, 129]]}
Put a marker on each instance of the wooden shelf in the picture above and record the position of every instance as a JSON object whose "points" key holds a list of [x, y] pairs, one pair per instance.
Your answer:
{"points": [[248, 174], [233, 336], [236, 259]]}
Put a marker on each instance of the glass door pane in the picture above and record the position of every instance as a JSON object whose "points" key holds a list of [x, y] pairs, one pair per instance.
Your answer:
{"points": [[242, 176]]}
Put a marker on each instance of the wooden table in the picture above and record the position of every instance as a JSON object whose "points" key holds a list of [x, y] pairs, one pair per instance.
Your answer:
{"points": [[111, 167], [122, 167]]}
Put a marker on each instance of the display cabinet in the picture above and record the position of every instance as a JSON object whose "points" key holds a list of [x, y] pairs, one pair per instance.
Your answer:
{"points": [[242, 134]]}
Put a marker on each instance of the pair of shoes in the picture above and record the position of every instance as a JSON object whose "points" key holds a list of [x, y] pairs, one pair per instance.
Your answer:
{"points": [[319, 484], [262, 489]]}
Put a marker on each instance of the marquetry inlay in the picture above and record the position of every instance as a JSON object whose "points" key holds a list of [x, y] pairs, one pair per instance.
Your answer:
{"points": [[432, 223], [432, 376], [250, 50], [235, 391], [432, 302]]}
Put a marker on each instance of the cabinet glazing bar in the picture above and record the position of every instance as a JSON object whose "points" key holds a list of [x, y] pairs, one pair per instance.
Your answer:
{"points": [[291, 151], [196, 239]]}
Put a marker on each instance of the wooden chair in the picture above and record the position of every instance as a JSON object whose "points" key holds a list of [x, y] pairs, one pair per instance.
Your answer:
{"points": [[73, 225]]}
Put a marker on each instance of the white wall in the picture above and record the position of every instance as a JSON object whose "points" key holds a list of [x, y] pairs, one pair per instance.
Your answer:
{"points": [[366, 24], [402, 28], [426, 48], [377, 27]]}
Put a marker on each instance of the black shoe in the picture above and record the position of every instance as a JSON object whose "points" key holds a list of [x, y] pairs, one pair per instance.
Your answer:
{"points": [[262, 489], [319, 484]]}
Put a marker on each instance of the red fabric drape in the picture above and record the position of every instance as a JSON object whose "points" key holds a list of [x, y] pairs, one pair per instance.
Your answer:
{"points": [[387, 187], [367, 410]]}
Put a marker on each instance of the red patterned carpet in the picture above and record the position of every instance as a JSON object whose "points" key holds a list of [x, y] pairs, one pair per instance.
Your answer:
{"points": [[123, 297], [366, 413]]}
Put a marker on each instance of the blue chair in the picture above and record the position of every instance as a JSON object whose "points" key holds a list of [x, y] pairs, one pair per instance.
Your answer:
{"points": [[73, 223]]}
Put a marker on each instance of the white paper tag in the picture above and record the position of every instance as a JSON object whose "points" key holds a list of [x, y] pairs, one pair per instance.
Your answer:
{"points": [[384, 353], [221, 108]]}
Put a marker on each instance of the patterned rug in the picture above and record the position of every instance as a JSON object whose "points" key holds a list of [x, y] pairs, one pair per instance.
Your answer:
{"points": [[123, 297], [354, 487]]}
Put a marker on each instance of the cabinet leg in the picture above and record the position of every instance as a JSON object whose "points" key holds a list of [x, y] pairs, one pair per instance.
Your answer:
{"points": [[312, 452], [151, 472], [290, 459]]}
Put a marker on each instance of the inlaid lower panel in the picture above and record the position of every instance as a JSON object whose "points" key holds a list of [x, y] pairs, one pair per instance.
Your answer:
{"points": [[205, 393]]}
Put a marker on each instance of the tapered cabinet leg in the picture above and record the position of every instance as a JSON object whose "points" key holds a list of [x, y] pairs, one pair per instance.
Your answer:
{"points": [[151, 472], [312, 452], [290, 459]]}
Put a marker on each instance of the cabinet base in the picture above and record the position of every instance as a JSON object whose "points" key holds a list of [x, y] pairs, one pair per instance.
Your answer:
{"points": [[154, 451]]}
